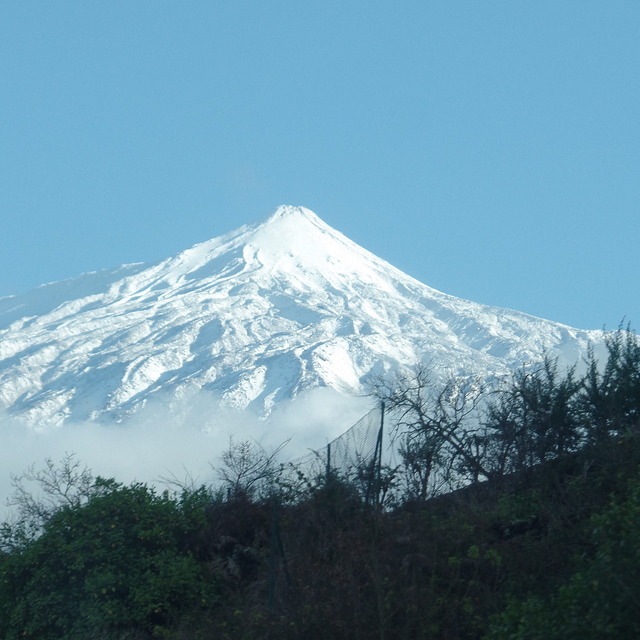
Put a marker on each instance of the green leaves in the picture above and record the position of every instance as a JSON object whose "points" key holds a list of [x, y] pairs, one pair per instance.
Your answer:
{"points": [[600, 599], [119, 561]]}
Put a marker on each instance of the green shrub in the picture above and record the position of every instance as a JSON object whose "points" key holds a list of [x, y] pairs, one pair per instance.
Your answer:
{"points": [[600, 599], [120, 561]]}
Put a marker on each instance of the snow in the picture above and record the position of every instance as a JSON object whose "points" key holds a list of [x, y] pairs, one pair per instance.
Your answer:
{"points": [[257, 316]]}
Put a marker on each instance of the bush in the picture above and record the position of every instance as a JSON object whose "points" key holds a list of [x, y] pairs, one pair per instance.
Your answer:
{"points": [[120, 561], [600, 599]]}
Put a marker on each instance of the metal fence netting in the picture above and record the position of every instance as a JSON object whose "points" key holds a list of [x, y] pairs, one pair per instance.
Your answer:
{"points": [[355, 455]]}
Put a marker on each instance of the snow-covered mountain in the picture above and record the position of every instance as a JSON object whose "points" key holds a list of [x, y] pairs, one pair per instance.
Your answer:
{"points": [[256, 316]]}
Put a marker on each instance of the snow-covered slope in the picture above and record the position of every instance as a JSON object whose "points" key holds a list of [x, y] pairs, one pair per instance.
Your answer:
{"points": [[256, 316]]}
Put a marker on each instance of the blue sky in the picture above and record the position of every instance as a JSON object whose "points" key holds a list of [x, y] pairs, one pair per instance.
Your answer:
{"points": [[490, 149]]}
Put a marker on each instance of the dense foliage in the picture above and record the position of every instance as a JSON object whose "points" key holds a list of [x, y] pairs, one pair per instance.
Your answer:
{"points": [[123, 560], [513, 515]]}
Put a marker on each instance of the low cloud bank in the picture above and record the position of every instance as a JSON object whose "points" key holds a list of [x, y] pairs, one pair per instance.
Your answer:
{"points": [[180, 439]]}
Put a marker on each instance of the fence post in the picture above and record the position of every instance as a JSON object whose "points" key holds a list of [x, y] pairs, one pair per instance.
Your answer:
{"points": [[377, 455], [272, 557]]}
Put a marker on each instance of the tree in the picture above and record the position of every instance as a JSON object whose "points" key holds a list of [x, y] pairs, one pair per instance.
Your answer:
{"points": [[120, 561], [611, 394], [248, 469], [534, 418], [39, 493], [442, 445]]}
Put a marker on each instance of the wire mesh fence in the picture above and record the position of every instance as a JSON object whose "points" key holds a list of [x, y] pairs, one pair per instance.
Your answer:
{"points": [[354, 455]]}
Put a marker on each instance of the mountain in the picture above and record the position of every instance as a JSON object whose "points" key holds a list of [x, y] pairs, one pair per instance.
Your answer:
{"points": [[256, 316]]}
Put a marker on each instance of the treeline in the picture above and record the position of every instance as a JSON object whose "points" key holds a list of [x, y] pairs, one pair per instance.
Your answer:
{"points": [[466, 430], [512, 513]]}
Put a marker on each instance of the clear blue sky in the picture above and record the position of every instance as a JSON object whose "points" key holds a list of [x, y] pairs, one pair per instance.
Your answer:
{"points": [[490, 149]]}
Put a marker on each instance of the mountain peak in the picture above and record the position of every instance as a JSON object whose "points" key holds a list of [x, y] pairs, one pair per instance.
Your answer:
{"points": [[295, 237], [291, 224], [287, 211]]}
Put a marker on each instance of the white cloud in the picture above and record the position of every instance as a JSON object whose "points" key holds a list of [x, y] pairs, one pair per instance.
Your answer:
{"points": [[182, 438]]}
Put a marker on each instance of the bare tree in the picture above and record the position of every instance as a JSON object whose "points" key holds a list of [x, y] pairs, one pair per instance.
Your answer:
{"points": [[39, 493], [442, 443], [248, 469]]}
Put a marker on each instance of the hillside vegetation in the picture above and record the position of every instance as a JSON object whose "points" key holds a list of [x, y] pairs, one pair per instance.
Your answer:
{"points": [[512, 514]]}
